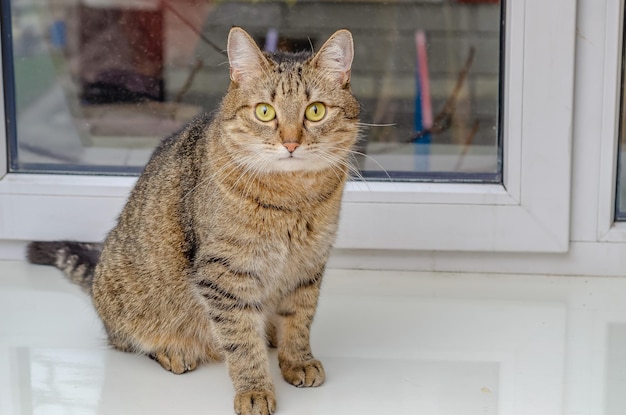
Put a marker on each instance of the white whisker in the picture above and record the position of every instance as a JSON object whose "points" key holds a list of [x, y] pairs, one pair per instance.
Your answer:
{"points": [[364, 124], [358, 153]]}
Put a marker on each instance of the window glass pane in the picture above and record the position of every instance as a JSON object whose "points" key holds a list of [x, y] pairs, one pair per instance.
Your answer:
{"points": [[97, 83]]}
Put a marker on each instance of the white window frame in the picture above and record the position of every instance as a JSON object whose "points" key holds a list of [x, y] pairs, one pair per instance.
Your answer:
{"points": [[607, 229], [529, 212], [597, 243]]}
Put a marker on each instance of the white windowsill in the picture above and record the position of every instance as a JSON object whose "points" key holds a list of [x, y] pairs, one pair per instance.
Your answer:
{"points": [[392, 342]]}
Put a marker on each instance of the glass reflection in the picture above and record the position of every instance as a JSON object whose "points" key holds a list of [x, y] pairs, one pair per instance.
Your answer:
{"points": [[99, 82]]}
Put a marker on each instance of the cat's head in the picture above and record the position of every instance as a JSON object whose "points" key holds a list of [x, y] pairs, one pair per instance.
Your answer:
{"points": [[290, 112]]}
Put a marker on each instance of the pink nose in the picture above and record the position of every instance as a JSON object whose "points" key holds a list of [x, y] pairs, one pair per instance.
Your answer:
{"points": [[291, 147]]}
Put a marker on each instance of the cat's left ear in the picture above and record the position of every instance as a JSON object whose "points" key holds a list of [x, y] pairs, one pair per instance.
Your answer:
{"points": [[336, 56], [245, 58]]}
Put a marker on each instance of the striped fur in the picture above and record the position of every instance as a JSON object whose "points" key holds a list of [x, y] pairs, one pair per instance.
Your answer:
{"points": [[222, 245], [76, 259]]}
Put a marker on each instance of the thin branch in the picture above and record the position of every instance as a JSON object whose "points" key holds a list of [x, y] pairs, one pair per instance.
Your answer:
{"points": [[443, 120], [193, 28], [466, 145], [192, 74]]}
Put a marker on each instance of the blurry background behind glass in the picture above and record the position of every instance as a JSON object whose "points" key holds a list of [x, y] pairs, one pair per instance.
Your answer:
{"points": [[99, 82]]}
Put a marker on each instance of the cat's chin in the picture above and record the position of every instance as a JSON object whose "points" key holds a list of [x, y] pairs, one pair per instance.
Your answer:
{"points": [[293, 165]]}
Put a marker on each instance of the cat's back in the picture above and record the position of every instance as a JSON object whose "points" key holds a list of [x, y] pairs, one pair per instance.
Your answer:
{"points": [[151, 222], [144, 262]]}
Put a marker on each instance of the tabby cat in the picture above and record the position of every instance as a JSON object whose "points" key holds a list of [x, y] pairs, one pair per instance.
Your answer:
{"points": [[222, 245]]}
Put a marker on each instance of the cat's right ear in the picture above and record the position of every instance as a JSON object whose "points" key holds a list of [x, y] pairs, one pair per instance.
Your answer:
{"points": [[245, 58]]}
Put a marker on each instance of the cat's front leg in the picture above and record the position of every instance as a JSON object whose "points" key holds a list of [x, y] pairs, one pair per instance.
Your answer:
{"points": [[296, 312], [239, 326]]}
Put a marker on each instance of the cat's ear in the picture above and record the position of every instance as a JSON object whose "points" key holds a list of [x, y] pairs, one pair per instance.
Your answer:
{"points": [[245, 58], [336, 56]]}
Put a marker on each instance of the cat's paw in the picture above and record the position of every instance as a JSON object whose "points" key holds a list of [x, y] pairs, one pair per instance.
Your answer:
{"points": [[175, 362], [257, 402], [305, 374]]}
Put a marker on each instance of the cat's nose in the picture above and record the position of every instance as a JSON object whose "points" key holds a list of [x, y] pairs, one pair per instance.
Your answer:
{"points": [[291, 147]]}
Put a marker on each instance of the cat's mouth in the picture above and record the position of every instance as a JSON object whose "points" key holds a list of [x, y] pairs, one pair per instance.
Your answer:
{"points": [[290, 159], [291, 156], [299, 160], [293, 162]]}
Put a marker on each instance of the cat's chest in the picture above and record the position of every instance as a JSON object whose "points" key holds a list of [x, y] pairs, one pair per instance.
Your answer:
{"points": [[267, 238], [297, 233], [302, 238], [297, 247]]}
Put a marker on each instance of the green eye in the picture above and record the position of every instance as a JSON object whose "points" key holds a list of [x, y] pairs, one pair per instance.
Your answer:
{"points": [[265, 112], [315, 111]]}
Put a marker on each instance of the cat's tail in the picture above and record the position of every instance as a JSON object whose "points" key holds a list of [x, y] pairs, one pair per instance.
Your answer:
{"points": [[77, 260]]}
